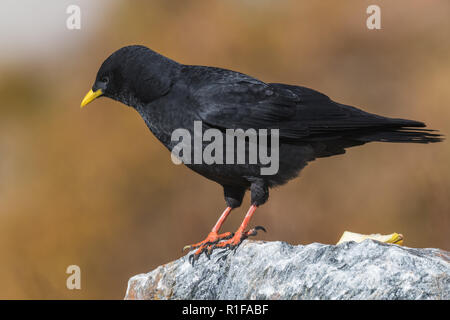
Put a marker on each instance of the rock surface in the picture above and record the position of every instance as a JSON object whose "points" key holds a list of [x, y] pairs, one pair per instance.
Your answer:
{"points": [[277, 270]]}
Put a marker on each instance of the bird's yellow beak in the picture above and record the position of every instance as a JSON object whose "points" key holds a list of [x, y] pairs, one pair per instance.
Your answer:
{"points": [[91, 95]]}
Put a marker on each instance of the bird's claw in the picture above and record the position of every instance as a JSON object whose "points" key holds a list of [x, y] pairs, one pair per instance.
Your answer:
{"points": [[192, 258], [238, 237], [228, 240], [254, 231], [211, 239], [206, 246]]}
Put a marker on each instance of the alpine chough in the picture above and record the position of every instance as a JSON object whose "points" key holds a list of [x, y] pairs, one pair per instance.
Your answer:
{"points": [[169, 95]]}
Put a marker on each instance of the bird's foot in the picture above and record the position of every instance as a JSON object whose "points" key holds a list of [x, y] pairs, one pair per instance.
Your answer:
{"points": [[210, 240], [225, 240], [206, 245], [238, 237]]}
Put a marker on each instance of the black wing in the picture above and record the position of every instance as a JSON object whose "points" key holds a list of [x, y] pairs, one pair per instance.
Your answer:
{"points": [[236, 101]]}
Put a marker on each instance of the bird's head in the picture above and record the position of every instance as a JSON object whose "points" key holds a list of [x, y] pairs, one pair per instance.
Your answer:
{"points": [[132, 74]]}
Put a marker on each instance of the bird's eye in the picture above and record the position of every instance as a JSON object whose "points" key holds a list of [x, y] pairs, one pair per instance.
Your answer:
{"points": [[105, 80]]}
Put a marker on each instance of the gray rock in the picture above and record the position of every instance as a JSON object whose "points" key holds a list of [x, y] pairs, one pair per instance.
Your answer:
{"points": [[277, 270]]}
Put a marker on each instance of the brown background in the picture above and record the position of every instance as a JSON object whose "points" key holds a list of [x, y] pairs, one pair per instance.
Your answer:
{"points": [[94, 187]]}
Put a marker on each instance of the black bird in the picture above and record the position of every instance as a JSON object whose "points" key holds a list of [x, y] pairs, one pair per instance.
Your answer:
{"points": [[169, 95]]}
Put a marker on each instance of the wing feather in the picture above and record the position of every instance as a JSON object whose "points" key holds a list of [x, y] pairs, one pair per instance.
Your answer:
{"points": [[236, 100]]}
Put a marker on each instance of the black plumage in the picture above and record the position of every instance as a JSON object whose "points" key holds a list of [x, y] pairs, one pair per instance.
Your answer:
{"points": [[169, 95]]}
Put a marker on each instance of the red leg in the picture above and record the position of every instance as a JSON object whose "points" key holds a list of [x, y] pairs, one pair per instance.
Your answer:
{"points": [[241, 234], [213, 237], [221, 220]]}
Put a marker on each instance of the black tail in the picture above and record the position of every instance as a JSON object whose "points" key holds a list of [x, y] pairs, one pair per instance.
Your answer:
{"points": [[401, 130]]}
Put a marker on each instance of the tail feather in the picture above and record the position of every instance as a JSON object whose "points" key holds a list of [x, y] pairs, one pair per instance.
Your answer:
{"points": [[406, 123], [402, 135], [400, 131]]}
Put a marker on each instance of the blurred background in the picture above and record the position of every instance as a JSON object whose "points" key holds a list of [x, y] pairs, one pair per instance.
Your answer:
{"points": [[94, 187]]}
